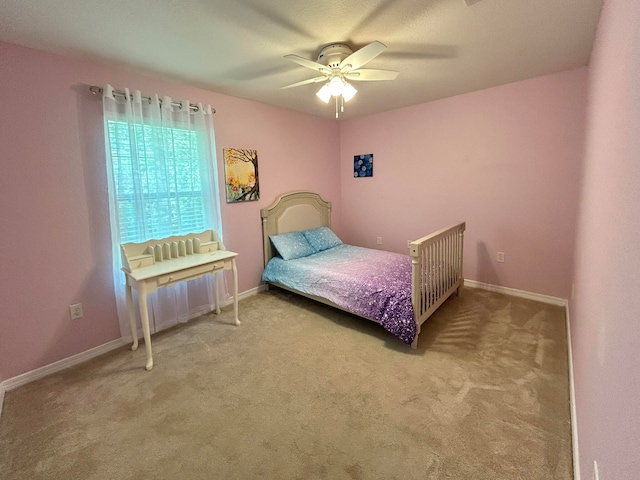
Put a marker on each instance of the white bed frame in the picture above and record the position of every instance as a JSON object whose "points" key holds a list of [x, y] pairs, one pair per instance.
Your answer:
{"points": [[302, 210]]}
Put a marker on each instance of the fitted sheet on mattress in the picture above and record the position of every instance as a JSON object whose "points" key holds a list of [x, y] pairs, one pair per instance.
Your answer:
{"points": [[371, 283]]}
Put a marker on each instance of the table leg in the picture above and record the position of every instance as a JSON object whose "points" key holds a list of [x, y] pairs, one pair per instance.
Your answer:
{"points": [[215, 288], [132, 316], [144, 318], [235, 290]]}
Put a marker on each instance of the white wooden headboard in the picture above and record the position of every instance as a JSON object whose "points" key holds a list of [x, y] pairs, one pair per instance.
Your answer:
{"points": [[293, 212]]}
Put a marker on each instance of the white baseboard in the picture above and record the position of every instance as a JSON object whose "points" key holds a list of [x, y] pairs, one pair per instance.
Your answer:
{"points": [[572, 391], [572, 401], [1, 397], [248, 293], [82, 357], [56, 367], [60, 365], [561, 302]]}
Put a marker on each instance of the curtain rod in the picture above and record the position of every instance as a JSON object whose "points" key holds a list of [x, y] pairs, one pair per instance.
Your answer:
{"points": [[98, 90]]}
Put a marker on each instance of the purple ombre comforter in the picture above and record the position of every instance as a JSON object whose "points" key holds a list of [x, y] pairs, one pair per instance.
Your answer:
{"points": [[370, 283]]}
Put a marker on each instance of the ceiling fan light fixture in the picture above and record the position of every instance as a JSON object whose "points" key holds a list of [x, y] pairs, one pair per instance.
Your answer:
{"points": [[348, 91], [337, 63], [336, 86], [324, 93]]}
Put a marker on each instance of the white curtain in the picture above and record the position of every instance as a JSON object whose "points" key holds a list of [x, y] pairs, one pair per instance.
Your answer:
{"points": [[162, 175]]}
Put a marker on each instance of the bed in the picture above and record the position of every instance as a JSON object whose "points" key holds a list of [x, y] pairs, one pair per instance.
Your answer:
{"points": [[397, 291]]}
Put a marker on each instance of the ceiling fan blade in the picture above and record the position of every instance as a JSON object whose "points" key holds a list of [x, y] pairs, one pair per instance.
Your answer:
{"points": [[305, 82], [362, 56], [371, 75], [378, 13], [421, 51], [273, 17], [318, 67]]}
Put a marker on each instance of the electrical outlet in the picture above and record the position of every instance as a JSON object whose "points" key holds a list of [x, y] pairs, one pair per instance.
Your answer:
{"points": [[379, 240], [76, 311], [409, 243], [500, 257]]}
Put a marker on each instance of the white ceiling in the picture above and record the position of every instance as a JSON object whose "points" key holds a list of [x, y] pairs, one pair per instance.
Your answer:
{"points": [[440, 47]]}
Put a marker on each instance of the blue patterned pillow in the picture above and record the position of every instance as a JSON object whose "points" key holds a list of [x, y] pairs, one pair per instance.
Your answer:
{"points": [[322, 238], [292, 245]]}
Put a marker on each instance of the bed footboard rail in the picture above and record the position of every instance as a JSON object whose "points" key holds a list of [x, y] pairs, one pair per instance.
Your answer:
{"points": [[436, 269]]}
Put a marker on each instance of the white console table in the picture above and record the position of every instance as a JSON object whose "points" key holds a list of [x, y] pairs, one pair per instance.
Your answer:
{"points": [[154, 264]]}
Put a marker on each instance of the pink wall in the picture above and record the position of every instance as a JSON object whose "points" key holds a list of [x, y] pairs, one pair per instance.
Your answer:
{"points": [[605, 313], [506, 160], [54, 237]]}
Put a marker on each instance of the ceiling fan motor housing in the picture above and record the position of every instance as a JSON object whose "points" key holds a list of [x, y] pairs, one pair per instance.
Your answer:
{"points": [[337, 63], [333, 54]]}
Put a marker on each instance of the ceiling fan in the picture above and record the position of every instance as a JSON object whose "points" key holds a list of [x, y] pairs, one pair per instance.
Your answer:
{"points": [[337, 63]]}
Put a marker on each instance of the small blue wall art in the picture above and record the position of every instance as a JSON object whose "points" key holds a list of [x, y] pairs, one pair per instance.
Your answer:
{"points": [[363, 165]]}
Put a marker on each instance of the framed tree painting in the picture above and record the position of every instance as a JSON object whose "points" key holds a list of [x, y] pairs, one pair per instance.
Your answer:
{"points": [[241, 174]]}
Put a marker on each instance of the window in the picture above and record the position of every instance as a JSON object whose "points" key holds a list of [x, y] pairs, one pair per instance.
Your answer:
{"points": [[162, 185]]}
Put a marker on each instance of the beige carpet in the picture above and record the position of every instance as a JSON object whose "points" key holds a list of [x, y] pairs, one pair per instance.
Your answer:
{"points": [[303, 391]]}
